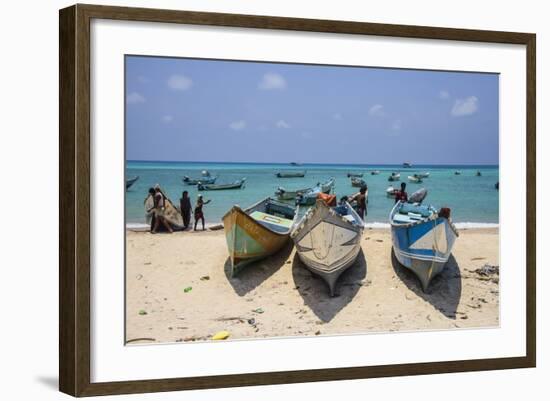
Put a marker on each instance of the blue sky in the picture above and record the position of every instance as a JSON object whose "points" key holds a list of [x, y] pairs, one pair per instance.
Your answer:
{"points": [[226, 111]]}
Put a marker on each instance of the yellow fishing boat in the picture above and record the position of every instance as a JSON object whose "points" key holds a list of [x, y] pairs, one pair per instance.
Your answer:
{"points": [[257, 232]]}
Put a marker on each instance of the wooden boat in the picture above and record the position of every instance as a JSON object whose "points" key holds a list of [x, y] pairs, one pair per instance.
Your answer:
{"points": [[407, 165], [375, 172], [257, 232], [394, 177], [390, 191], [195, 181], [171, 213], [358, 175], [422, 239], [290, 174], [415, 178], [131, 181], [328, 240], [310, 196], [357, 182], [289, 194], [216, 187]]}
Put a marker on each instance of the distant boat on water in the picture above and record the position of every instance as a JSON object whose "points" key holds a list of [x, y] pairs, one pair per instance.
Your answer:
{"points": [[289, 194], [394, 177], [415, 179], [457, 172], [328, 240], [295, 164], [290, 174], [216, 187], [355, 175], [357, 182], [422, 238], [131, 181], [390, 191], [478, 174], [310, 196], [257, 232], [497, 185], [206, 180], [407, 165], [423, 175], [375, 172]]}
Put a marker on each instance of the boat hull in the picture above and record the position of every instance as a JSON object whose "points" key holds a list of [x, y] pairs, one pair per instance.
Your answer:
{"points": [[131, 182], [247, 240], [327, 244], [424, 248]]}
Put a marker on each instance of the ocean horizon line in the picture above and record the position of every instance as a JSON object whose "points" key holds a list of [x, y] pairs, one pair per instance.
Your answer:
{"points": [[301, 164]]}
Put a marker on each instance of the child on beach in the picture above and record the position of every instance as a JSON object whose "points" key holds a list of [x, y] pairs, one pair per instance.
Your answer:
{"points": [[199, 215]]}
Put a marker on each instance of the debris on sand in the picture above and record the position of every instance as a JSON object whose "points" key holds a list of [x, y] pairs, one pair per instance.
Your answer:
{"points": [[142, 312], [258, 310], [187, 289], [205, 278], [221, 335], [216, 227], [487, 270]]}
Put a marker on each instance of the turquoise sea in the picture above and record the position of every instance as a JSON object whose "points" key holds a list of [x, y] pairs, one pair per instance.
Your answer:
{"points": [[473, 200]]}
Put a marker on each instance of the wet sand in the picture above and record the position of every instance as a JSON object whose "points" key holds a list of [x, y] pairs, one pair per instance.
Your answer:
{"points": [[179, 289]]}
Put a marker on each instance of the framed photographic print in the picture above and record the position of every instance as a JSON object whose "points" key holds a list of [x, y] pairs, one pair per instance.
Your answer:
{"points": [[250, 200]]}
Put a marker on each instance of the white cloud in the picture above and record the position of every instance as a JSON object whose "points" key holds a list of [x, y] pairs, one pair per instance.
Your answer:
{"points": [[238, 125], [167, 119], [271, 81], [337, 116], [464, 107], [282, 124], [377, 111], [396, 125], [134, 98], [444, 95], [179, 82]]}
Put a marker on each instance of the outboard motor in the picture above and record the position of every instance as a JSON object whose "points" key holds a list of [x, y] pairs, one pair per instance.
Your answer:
{"points": [[418, 196]]}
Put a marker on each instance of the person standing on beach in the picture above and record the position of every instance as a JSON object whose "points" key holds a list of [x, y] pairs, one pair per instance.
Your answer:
{"points": [[401, 195], [159, 207], [185, 209], [199, 215], [362, 199]]}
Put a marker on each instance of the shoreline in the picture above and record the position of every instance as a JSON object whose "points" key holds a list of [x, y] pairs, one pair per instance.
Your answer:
{"points": [[179, 289]]}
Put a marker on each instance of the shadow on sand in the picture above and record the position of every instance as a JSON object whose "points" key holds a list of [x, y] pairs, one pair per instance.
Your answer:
{"points": [[315, 291], [444, 291], [256, 273]]}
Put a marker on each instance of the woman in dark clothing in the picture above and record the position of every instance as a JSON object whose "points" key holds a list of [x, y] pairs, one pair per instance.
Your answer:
{"points": [[185, 209], [199, 215]]}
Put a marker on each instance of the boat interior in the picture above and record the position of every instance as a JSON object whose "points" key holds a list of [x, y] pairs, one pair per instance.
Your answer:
{"points": [[411, 213], [348, 214], [276, 216]]}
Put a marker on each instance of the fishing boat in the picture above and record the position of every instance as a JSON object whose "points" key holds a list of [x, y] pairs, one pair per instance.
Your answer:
{"points": [[195, 181], [497, 185], [394, 177], [295, 164], [390, 191], [309, 197], [375, 172], [328, 240], [457, 172], [131, 181], [357, 182], [170, 212], [478, 174], [407, 165], [290, 174], [423, 175], [422, 238], [216, 187], [359, 175], [415, 178], [289, 194], [257, 232]]}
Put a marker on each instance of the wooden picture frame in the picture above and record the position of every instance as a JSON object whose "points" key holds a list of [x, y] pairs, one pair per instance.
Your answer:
{"points": [[74, 201]]}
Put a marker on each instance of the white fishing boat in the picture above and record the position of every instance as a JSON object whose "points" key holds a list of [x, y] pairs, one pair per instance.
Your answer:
{"points": [[375, 172], [423, 175], [422, 238], [390, 191], [415, 178], [394, 177], [328, 240]]}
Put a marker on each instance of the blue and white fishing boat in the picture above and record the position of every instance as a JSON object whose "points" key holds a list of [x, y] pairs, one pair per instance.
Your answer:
{"points": [[422, 238]]}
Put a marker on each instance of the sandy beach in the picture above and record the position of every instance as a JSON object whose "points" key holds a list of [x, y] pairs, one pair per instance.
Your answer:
{"points": [[178, 289]]}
